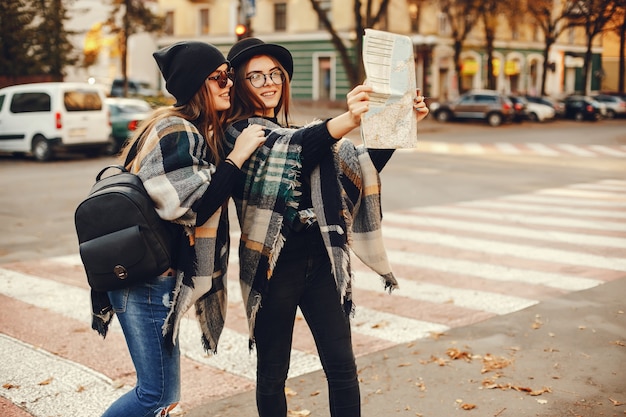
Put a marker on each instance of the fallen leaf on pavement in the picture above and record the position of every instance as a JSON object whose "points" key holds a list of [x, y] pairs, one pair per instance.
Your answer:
{"points": [[615, 402], [298, 413], [46, 382], [494, 362], [455, 354], [289, 392], [466, 406]]}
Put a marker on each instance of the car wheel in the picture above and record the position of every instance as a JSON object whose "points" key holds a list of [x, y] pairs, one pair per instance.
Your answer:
{"points": [[533, 117], [443, 116], [41, 149], [494, 119], [111, 147], [610, 114], [579, 116]]}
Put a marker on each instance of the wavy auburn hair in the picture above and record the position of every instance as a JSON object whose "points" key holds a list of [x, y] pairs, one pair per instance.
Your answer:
{"points": [[245, 104], [200, 111]]}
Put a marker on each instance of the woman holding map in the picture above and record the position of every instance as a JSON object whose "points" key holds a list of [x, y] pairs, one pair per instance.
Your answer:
{"points": [[307, 199]]}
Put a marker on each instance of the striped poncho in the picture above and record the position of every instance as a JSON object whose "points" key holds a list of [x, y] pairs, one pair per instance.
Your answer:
{"points": [[345, 192], [173, 166]]}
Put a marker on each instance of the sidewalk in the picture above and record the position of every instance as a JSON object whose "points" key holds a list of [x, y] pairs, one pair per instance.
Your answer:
{"points": [[560, 358]]}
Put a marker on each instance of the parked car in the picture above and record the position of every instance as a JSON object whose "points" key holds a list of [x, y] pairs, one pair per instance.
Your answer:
{"points": [[135, 88], [487, 105], [557, 105], [615, 105], [42, 119], [538, 112], [581, 108], [520, 107], [126, 114]]}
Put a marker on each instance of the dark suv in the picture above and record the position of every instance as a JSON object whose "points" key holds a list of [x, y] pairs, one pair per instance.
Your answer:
{"points": [[487, 105], [580, 108]]}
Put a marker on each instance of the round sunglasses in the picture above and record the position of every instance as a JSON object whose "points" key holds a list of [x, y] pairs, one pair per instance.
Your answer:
{"points": [[222, 77], [257, 79]]}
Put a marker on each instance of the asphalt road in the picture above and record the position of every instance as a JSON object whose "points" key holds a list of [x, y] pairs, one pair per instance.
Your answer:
{"points": [[509, 244], [38, 199]]}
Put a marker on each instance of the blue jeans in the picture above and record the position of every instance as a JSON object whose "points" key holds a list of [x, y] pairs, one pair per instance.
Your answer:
{"points": [[303, 277], [141, 311]]}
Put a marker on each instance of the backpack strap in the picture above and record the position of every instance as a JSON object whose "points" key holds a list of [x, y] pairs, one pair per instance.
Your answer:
{"points": [[132, 153]]}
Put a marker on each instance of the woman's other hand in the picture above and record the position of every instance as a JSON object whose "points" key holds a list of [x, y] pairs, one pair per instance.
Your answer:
{"points": [[250, 139], [419, 104]]}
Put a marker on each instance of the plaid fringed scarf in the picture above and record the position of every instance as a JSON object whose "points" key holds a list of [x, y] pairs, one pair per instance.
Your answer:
{"points": [[346, 199], [172, 165]]}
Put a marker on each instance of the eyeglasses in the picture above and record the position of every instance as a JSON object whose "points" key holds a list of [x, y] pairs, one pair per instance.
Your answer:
{"points": [[222, 77], [257, 79]]}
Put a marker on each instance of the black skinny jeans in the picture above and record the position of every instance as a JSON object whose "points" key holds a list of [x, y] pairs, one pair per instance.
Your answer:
{"points": [[302, 277]]}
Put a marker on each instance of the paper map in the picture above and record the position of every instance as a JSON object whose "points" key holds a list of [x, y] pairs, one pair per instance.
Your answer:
{"points": [[390, 122]]}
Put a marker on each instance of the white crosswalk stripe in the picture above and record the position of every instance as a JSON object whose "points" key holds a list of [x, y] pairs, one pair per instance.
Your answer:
{"points": [[526, 148], [454, 256]]}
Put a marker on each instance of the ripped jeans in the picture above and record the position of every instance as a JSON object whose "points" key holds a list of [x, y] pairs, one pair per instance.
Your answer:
{"points": [[141, 311]]}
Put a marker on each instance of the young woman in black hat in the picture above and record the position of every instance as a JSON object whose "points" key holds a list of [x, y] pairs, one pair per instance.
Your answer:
{"points": [[183, 164], [307, 199]]}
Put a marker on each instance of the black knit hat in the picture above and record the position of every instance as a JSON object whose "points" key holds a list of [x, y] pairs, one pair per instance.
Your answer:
{"points": [[247, 48], [185, 66]]}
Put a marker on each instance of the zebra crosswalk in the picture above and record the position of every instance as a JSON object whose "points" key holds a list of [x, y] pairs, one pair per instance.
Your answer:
{"points": [[457, 264], [523, 149]]}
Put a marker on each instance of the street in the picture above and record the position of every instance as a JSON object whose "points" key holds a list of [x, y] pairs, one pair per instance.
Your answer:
{"points": [[480, 223]]}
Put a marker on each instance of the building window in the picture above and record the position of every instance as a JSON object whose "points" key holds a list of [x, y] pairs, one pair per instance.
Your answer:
{"points": [[444, 26], [536, 35], [326, 6], [515, 35], [280, 17], [168, 26], [204, 21]]}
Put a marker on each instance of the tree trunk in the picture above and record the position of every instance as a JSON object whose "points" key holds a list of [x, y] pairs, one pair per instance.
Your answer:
{"points": [[622, 47], [546, 65]]}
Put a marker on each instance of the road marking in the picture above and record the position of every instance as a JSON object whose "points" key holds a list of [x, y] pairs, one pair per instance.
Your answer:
{"points": [[542, 149], [492, 272], [472, 299], [549, 215], [480, 225], [50, 385], [524, 148]]}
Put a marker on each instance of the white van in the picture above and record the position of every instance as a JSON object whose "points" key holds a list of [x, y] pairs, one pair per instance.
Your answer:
{"points": [[43, 118]]}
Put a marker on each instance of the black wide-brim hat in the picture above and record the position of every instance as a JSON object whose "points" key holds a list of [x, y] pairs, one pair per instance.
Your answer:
{"points": [[247, 48]]}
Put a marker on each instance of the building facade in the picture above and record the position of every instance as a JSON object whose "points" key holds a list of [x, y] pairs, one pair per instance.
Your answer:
{"points": [[318, 71]]}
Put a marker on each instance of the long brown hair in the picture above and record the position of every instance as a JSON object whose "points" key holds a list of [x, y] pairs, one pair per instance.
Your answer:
{"points": [[200, 111], [245, 104]]}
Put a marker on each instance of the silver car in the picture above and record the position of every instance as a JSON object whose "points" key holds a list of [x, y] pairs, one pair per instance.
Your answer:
{"points": [[615, 105]]}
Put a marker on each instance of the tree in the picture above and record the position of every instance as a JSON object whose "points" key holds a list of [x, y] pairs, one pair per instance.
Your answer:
{"points": [[489, 11], [593, 16], [33, 39], [552, 23], [362, 19], [462, 16], [136, 17], [618, 25], [17, 36], [54, 49]]}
